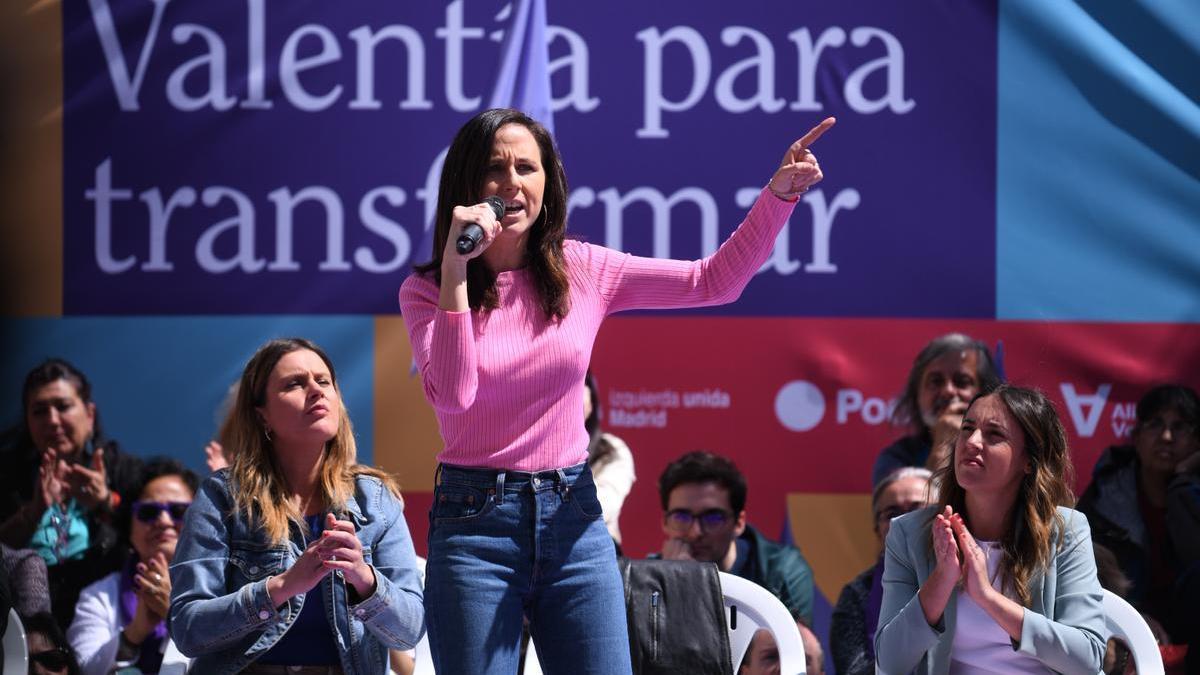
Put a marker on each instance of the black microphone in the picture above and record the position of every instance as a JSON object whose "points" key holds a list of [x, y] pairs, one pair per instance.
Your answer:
{"points": [[472, 234]]}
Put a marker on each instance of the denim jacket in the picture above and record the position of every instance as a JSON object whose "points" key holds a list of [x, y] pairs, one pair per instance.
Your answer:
{"points": [[222, 615]]}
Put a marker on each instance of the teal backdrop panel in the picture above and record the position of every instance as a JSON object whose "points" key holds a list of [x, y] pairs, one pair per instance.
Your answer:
{"points": [[159, 383], [1098, 161]]}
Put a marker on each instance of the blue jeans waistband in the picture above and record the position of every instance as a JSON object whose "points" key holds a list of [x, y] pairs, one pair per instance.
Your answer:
{"points": [[505, 480]]}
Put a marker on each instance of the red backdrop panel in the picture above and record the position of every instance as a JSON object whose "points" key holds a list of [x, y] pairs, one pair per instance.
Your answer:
{"points": [[802, 405]]}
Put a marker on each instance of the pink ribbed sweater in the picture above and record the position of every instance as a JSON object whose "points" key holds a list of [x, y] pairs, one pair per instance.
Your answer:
{"points": [[507, 385]]}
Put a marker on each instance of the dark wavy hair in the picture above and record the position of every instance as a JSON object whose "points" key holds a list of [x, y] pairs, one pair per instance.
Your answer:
{"points": [[46, 625], [598, 446], [462, 179], [155, 467], [1177, 397], [701, 466], [19, 437], [1029, 543], [908, 412]]}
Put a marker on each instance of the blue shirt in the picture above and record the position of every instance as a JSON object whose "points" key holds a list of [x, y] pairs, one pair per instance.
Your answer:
{"points": [[61, 533], [308, 642]]}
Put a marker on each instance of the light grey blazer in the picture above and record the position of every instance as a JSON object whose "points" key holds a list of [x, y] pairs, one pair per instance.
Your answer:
{"points": [[1063, 627]]}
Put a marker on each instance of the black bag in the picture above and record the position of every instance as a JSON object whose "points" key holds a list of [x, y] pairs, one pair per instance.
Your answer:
{"points": [[676, 616]]}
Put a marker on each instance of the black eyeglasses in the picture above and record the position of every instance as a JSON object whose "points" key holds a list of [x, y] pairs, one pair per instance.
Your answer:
{"points": [[680, 520], [52, 659], [148, 511]]}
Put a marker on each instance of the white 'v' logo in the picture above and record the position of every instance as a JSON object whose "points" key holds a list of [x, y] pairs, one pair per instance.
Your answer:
{"points": [[1085, 409], [126, 88]]}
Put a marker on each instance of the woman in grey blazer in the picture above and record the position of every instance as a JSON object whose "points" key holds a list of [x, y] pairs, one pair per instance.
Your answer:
{"points": [[999, 576]]}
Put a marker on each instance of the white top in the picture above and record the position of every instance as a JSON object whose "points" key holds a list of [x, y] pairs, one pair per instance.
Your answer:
{"points": [[981, 647], [614, 479], [95, 632]]}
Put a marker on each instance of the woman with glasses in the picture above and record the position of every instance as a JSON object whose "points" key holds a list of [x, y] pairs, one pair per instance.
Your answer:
{"points": [[999, 576], [296, 558], [49, 653], [62, 482], [1144, 506], [120, 621], [856, 616]]}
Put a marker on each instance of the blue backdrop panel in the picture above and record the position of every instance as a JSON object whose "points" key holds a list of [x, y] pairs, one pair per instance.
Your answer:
{"points": [[1098, 186], [159, 383]]}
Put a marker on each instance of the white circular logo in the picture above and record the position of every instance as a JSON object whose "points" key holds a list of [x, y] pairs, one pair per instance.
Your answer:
{"points": [[799, 405]]}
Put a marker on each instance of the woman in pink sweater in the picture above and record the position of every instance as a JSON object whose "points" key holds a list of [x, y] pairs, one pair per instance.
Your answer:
{"points": [[503, 336]]}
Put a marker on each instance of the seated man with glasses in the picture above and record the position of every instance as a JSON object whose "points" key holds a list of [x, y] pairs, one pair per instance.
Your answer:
{"points": [[704, 499], [1143, 504], [856, 616]]}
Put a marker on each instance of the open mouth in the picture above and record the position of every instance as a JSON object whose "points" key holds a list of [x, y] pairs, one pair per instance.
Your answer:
{"points": [[513, 207]]}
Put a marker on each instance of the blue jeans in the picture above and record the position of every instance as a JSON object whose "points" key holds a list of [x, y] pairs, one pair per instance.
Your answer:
{"points": [[504, 545]]}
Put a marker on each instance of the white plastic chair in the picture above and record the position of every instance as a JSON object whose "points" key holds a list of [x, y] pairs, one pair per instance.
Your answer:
{"points": [[1126, 623], [532, 667], [174, 662], [423, 659], [749, 607], [16, 651]]}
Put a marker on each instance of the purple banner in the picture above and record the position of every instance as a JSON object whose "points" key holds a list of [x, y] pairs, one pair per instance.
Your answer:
{"points": [[281, 157]]}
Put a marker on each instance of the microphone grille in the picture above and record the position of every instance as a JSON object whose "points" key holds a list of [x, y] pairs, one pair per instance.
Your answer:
{"points": [[497, 205]]}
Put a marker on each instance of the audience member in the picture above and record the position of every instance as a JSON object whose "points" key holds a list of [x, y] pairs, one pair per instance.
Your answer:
{"points": [[704, 500], [856, 616], [253, 583], [61, 482], [121, 620], [1144, 505], [814, 655], [216, 455], [49, 653], [947, 373], [762, 655], [1118, 659], [999, 576], [610, 460], [29, 590]]}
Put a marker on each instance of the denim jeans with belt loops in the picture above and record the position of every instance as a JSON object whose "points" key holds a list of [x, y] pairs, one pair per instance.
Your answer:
{"points": [[504, 545]]}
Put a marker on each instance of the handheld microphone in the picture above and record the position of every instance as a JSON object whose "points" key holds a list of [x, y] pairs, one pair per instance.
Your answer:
{"points": [[472, 234]]}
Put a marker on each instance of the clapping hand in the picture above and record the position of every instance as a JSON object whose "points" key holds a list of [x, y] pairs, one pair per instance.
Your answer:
{"points": [[946, 548], [343, 551], [152, 583], [51, 488], [974, 573], [338, 548], [799, 169], [154, 586], [89, 485], [944, 433], [214, 456]]}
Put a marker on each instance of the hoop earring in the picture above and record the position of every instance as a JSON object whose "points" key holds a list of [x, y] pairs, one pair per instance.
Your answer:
{"points": [[267, 433]]}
